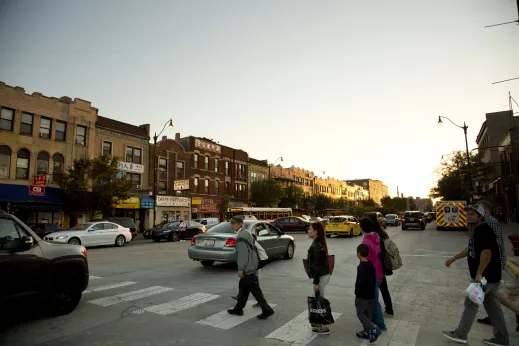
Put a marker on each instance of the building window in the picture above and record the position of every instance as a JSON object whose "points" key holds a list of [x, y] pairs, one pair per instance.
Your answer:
{"points": [[26, 125], [197, 189], [5, 161], [81, 135], [180, 169], [216, 164], [6, 119], [217, 188], [58, 163], [195, 160], [61, 130], [226, 167], [22, 164], [227, 188], [240, 191], [163, 165], [163, 188], [135, 179], [206, 189], [133, 155], [107, 148], [206, 163], [42, 163], [45, 125]]}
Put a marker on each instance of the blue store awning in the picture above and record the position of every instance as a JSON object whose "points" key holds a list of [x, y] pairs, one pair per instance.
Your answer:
{"points": [[20, 194]]}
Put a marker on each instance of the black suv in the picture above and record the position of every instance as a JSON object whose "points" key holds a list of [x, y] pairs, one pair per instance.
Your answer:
{"points": [[42, 229], [125, 222], [55, 274], [414, 219]]}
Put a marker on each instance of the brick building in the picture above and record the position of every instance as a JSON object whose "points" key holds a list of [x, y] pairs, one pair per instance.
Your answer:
{"points": [[258, 170]]}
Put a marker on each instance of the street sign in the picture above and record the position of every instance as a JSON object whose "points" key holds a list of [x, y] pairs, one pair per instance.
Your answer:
{"points": [[35, 190], [40, 180]]}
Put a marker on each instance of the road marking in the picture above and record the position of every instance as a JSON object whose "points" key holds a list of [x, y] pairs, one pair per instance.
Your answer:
{"points": [[224, 320], [129, 296], [107, 287], [92, 277], [297, 331], [385, 338], [178, 305], [405, 334]]}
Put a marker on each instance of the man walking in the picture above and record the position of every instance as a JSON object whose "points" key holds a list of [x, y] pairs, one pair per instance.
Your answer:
{"points": [[248, 262], [484, 262]]}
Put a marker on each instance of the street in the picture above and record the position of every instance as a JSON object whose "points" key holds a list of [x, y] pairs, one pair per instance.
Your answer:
{"points": [[148, 293]]}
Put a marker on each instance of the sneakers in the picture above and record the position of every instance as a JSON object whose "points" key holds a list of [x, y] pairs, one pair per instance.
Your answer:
{"points": [[374, 334], [321, 330], [265, 314], [494, 342], [452, 336], [235, 312], [363, 334], [485, 320]]}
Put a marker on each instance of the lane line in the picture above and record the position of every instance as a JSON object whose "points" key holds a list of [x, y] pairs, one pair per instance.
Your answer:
{"points": [[107, 287], [297, 331], [178, 305], [129, 296], [224, 320], [92, 277]]}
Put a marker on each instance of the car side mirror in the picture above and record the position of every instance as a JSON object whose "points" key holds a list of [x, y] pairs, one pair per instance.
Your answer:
{"points": [[27, 242]]}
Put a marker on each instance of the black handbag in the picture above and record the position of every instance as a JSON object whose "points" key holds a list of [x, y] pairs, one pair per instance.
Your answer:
{"points": [[319, 310]]}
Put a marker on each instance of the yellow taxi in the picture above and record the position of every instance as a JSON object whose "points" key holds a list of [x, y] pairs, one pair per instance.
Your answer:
{"points": [[342, 225]]}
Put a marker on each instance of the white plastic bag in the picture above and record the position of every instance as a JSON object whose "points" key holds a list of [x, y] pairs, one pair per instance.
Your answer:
{"points": [[262, 254], [476, 292]]}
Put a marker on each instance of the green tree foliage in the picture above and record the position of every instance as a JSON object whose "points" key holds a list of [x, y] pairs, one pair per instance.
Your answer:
{"points": [[453, 183], [394, 205], [92, 183], [223, 206], [266, 193], [368, 203], [293, 195]]}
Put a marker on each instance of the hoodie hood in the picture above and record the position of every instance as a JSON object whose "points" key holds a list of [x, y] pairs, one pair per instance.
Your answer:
{"points": [[372, 238]]}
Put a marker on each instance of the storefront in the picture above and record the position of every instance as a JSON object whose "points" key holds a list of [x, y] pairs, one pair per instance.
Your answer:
{"points": [[129, 208], [172, 208], [205, 207]]}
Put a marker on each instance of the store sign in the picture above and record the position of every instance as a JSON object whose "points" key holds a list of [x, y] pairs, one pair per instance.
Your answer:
{"points": [[207, 209], [130, 203], [130, 167], [181, 185], [196, 200], [208, 146], [35, 190], [147, 203], [171, 201], [40, 180]]}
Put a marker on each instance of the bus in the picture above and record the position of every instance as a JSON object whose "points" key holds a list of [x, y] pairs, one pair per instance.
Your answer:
{"points": [[268, 214]]}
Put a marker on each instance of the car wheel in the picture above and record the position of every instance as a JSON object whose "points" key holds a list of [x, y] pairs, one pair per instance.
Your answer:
{"points": [[207, 263], [120, 240], [74, 241], [351, 233], [289, 254], [174, 236], [66, 293]]}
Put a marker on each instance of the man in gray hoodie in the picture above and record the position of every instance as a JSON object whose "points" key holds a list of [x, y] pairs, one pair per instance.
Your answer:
{"points": [[248, 262]]}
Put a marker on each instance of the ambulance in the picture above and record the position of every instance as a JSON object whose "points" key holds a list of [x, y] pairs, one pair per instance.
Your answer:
{"points": [[451, 215]]}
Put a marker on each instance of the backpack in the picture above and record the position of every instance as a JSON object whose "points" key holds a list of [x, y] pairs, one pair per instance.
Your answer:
{"points": [[392, 254]]}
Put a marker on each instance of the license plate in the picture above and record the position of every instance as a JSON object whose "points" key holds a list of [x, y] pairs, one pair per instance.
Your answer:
{"points": [[411, 219], [335, 225], [209, 243]]}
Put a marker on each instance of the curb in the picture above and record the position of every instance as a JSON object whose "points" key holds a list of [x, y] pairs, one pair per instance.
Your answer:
{"points": [[512, 268]]}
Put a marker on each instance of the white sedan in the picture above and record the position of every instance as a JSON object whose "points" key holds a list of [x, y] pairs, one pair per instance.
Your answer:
{"points": [[93, 234]]}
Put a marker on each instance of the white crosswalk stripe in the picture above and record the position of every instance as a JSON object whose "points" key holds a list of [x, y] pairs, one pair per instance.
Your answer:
{"points": [[178, 305], [107, 287], [224, 320], [92, 277], [297, 331], [129, 296]]}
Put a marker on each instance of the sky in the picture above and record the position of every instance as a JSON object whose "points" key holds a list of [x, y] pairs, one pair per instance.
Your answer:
{"points": [[353, 88]]}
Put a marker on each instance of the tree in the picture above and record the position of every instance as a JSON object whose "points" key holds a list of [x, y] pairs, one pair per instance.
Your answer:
{"points": [[321, 202], [266, 193], [292, 197], [387, 202], [453, 183], [94, 184], [369, 203], [223, 205]]}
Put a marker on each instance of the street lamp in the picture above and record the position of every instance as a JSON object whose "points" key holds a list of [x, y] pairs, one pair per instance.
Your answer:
{"points": [[273, 164], [155, 164], [464, 127]]}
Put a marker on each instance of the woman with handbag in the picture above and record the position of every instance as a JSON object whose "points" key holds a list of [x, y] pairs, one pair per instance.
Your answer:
{"points": [[318, 268]]}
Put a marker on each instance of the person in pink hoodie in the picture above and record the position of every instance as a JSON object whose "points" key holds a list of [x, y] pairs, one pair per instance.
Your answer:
{"points": [[372, 240]]}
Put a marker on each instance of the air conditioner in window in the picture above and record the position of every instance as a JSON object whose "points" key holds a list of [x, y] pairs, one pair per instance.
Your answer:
{"points": [[44, 135], [79, 141]]}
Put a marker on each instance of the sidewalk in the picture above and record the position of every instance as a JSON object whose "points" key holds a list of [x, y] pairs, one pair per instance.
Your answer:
{"points": [[513, 261]]}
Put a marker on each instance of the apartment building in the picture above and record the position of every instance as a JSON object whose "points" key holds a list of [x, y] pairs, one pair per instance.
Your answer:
{"points": [[376, 189]]}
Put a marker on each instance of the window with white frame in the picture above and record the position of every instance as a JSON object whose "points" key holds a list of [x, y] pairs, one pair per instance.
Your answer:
{"points": [[45, 127]]}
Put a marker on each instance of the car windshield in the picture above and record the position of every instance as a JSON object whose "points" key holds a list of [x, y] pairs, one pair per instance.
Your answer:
{"points": [[173, 225], [81, 227], [224, 227]]}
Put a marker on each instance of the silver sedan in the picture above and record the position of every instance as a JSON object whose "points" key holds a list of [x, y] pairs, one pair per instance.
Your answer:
{"points": [[218, 244]]}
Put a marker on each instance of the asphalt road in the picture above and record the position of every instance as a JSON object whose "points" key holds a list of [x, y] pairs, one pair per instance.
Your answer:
{"points": [[150, 293]]}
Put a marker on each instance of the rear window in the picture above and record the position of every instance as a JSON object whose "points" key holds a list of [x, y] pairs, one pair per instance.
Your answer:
{"points": [[128, 223], [415, 214], [390, 217], [224, 227], [337, 219]]}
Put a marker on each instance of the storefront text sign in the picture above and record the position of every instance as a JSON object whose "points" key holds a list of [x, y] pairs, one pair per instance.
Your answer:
{"points": [[130, 167], [36, 190], [131, 203], [207, 146], [207, 208], [146, 203], [40, 180], [181, 185], [171, 201]]}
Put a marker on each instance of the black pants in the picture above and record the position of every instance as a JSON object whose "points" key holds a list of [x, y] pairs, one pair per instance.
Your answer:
{"points": [[250, 284], [386, 296]]}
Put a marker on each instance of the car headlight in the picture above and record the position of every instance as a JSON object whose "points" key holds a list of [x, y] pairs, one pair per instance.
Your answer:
{"points": [[62, 237]]}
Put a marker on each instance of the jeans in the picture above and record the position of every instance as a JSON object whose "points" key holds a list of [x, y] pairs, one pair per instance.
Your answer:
{"points": [[250, 284], [323, 281], [386, 296], [376, 316]]}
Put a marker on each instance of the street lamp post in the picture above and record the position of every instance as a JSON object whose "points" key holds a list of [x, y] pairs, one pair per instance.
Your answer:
{"points": [[155, 164], [464, 127], [273, 164]]}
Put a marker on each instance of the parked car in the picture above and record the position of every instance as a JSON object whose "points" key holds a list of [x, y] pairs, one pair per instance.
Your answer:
{"points": [[208, 222], [413, 219], [42, 229], [93, 234], [219, 243], [392, 220], [342, 225], [125, 222], [428, 217], [53, 274], [291, 224], [379, 216], [147, 233], [173, 232]]}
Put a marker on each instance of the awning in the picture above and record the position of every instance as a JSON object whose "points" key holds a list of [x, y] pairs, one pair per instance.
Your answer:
{"points": [[13, 193]]}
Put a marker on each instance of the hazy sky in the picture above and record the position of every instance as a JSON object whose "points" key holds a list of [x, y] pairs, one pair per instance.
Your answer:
{"points": [[350, 87]]}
